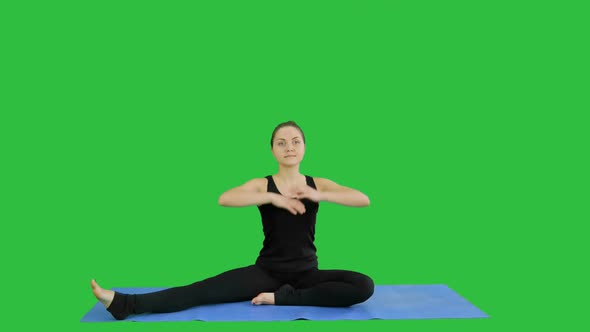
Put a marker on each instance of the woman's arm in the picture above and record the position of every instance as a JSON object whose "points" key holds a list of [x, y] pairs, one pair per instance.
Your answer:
{"points": [[330, 191], [254, 192], [250, 193]]}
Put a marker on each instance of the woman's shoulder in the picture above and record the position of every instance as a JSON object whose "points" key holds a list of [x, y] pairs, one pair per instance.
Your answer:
{"points": [[257, 184], [319, 179], [323, 183]]}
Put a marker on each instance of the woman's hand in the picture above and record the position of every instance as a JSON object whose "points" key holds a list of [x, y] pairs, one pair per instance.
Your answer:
{"points": [[309, 193], [293, 205]]}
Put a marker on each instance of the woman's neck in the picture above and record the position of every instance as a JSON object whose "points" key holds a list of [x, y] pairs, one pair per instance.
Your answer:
{"points": [[288, 175]]}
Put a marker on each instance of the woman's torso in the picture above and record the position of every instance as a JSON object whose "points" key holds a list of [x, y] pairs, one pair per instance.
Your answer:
{"points": [[288, 239]]}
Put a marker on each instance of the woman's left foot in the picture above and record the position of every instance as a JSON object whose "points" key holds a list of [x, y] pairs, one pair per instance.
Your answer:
{"points": [[264, 298], [105, 296]]}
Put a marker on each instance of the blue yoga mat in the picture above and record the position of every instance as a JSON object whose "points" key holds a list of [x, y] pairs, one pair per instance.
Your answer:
{"points": [[388, 302]]}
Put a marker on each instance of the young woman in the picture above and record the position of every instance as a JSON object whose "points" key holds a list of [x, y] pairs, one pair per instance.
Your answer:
{"points": [[286, 270]]}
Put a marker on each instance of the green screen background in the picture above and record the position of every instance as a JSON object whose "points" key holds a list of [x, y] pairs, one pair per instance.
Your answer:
{"points": [[122, 123]]}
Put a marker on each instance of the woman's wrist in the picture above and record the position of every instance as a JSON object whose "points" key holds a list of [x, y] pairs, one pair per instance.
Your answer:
{"points": [[321, 196], [271, 197]]}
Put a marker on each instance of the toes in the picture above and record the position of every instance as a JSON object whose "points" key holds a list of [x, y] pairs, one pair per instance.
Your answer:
{"points": [[94, 285], [256, 300]]}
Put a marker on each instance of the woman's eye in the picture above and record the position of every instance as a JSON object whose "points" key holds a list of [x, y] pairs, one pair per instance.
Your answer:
{"points": [[295, 142], [281, 143]]}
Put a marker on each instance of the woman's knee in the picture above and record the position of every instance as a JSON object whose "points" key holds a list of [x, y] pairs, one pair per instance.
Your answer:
{"points": [[368, 287], [365, 286]]}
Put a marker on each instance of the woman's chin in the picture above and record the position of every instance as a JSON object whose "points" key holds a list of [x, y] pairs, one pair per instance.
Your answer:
{"points": [[293, 162]]}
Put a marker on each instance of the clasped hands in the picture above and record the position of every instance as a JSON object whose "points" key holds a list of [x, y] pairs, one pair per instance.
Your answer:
{"points": [[292, 202]]}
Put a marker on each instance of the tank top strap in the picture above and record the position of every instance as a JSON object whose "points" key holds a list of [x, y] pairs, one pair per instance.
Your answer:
{"points": [[310, 182], [271, 187]]}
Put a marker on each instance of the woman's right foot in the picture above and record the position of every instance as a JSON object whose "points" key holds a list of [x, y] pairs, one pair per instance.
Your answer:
{"points": [[105, 296]]}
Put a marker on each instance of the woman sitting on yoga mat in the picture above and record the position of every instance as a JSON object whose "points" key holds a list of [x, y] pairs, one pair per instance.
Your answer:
{"points": [[286, 270]]}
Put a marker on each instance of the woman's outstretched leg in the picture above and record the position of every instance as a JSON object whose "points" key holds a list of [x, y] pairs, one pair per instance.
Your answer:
{"points": [[239, 284]]}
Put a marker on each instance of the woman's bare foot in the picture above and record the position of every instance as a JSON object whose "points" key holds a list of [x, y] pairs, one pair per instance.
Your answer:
{"points": [[264, 298], [105, 296]]}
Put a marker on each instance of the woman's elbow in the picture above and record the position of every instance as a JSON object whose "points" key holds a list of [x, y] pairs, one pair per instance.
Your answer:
{"points": [[222, 200], [360, 200], [366, 201]]}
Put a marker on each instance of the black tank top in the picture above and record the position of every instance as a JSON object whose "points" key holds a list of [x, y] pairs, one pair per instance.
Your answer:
{"points": [[288, 239]]}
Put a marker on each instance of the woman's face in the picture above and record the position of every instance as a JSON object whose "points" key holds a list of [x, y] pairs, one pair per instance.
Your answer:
{"points": [[288, 147]]}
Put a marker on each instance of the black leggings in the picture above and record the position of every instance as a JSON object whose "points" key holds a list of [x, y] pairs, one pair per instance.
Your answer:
{"points": [[330, 288]]}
